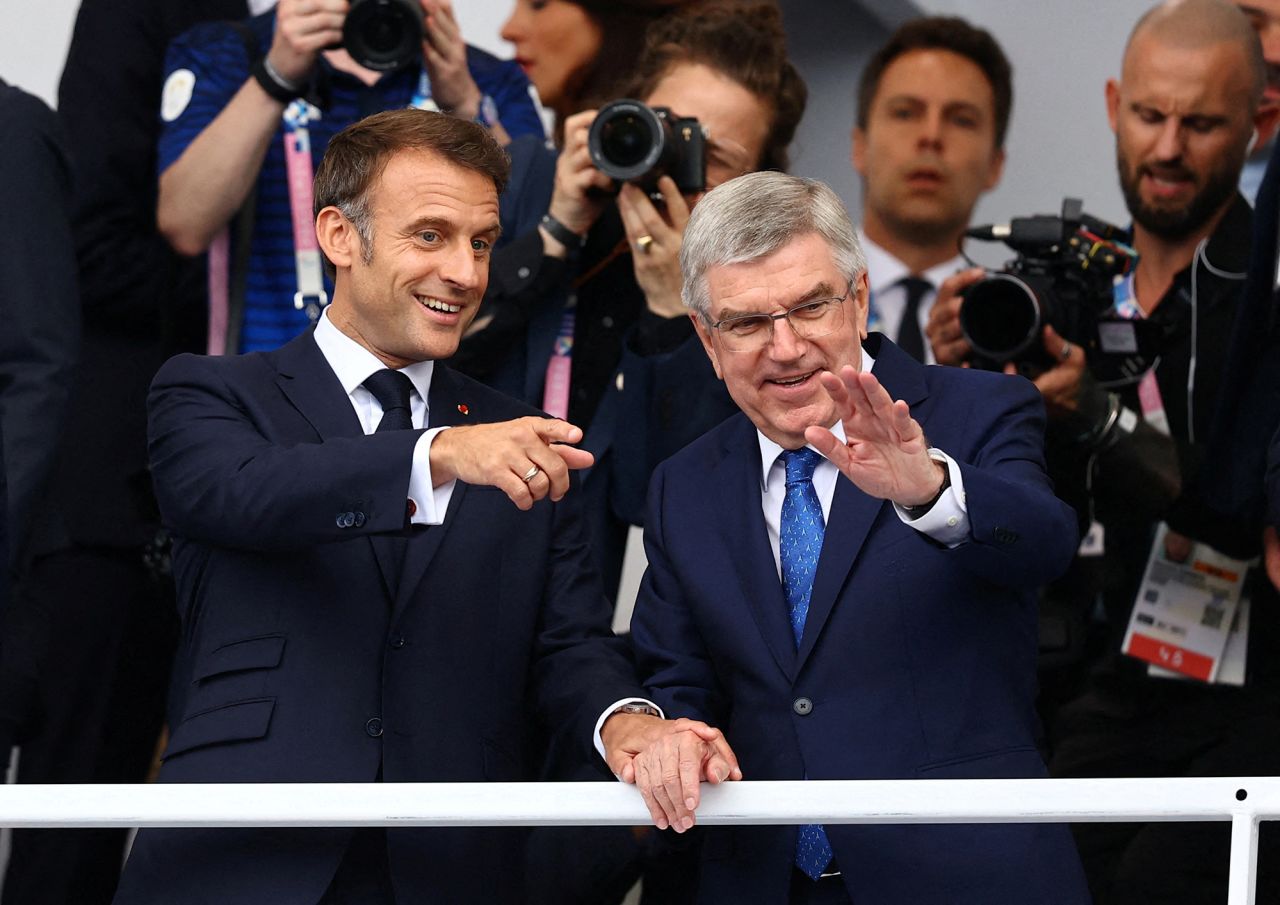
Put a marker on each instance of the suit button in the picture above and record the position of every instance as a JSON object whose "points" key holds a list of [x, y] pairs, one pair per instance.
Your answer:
{"points": [[360, 519], [374, 727], [342, 520], [802, 706], [397, 641]]}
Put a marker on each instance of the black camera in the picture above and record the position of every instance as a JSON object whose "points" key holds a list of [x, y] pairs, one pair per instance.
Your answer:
{"points": [[633, 142], [1064, 276], [384, 34]]}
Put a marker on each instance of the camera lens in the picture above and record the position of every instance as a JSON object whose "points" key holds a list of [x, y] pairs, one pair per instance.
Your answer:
{"points": [[1001, 317], [625, 140], [384, 34], [628, 141]]}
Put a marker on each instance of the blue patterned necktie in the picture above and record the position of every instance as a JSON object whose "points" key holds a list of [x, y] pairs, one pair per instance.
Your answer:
{"points": [[799, 545]]}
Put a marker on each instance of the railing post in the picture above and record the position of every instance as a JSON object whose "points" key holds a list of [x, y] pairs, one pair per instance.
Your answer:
{"points": [[1242, 881]]}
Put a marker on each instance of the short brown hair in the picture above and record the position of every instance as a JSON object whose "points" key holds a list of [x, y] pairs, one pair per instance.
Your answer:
{"points": [[953, 34], [358, 154], [743, 41]]}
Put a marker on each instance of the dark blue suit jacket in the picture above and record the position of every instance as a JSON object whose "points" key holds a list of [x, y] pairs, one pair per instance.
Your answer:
{"points": [[309, 657], [919, 661]]}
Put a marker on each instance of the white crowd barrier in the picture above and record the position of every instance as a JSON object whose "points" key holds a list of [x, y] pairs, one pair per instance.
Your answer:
{"points": [[1244, 801]]}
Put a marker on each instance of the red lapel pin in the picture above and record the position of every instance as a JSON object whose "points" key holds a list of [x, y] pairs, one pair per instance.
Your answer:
{"points": [[462, 408]]}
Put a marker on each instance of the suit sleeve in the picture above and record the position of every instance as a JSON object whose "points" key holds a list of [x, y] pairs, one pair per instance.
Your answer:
{"points": [[220, 479], [673, 661], [1022, 535], [39, 304]]}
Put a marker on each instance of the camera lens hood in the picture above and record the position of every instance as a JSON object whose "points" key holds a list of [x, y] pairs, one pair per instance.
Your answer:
{"points": [[384, 34], [627, 140], [1002, 317]]}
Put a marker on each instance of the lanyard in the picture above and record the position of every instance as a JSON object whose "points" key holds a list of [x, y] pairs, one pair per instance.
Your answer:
{"points": [[1126, 306], [310, 296]]}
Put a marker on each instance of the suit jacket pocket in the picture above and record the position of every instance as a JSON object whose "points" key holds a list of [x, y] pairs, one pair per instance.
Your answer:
{"points": [[1014, 762], [264, 652], [236, 722]]}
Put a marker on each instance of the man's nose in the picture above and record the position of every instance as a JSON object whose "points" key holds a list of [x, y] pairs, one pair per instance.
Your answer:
{"points": [[460, 267], [786, 345], [1170, 142], [930, 135]]}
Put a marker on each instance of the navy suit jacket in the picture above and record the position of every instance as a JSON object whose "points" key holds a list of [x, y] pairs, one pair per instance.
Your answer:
{"points": [[918, 661], [309, 656]]}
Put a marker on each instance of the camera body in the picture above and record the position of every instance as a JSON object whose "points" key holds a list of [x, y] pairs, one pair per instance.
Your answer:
{"points": [[633, 142], [384, 34], [1064, 276]]}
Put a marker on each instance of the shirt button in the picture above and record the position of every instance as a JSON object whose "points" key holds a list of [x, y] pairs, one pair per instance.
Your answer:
{"points": [[373, 727], [523, 273], [397, 641], [952, 521], [606, 322], [802, 706]]}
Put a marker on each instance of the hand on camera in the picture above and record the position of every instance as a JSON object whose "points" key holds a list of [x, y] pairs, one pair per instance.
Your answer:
{"points": [[655, 236], [1060, 384], [581, 191], [303, 29], [444, 55], [943, 329]]}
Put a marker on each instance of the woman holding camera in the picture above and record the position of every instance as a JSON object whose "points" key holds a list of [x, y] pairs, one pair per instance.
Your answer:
{"points": [[583, 316]]}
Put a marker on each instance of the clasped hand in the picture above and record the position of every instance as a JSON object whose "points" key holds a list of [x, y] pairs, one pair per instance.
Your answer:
{"points": [[667, 760]]}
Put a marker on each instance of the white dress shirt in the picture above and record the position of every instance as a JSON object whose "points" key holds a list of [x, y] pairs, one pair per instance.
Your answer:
{"points": [[353, 363], [947, 521], [889, 297]]}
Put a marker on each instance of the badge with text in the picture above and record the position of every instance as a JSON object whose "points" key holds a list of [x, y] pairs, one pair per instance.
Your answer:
{"points": [[1185, 610]]}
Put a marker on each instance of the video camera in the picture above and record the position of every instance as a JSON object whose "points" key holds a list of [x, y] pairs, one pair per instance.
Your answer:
{"points": [[1064, 276], [384, 34], [633, 142]]}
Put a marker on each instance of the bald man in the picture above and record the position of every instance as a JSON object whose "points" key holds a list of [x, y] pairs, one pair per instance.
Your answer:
{"points": [[1183, 111]]}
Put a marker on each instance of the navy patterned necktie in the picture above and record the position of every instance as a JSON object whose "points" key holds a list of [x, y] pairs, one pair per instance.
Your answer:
{"points": [[910, 340], [799, 545], [391, 389]]}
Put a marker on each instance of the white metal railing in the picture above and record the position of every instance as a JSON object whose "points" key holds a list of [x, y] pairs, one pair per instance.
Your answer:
{"points": [[1242, 800]]}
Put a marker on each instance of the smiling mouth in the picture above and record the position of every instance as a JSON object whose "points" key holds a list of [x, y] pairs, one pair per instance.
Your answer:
{"points": [[434, 304], [788, 382]]}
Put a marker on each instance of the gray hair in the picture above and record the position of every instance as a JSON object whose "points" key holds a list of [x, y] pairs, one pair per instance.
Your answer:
{"points": [[753, 216]]}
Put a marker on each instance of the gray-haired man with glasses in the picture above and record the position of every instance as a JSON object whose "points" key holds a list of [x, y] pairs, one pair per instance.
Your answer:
{"points": [[841, 578]]}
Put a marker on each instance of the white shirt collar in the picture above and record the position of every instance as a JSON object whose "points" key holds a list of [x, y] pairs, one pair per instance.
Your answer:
{"points": [[353, 363], [884, 270], [769, 451]]}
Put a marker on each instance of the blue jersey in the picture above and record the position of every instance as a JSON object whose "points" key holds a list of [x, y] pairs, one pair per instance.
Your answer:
{"points": [[219, 63]]}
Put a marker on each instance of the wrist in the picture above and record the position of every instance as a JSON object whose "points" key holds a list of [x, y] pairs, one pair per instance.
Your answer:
{"points": [[279, 87], [944, 482], [553, 226]]}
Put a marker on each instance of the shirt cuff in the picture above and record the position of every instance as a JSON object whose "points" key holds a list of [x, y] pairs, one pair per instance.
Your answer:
{"points": [[947, 522], [609, 711], [428, 503]]}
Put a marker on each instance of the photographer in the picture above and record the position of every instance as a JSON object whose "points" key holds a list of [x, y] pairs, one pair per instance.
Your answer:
{"points": [[583, 315], [237, 95], [1130, 427]]}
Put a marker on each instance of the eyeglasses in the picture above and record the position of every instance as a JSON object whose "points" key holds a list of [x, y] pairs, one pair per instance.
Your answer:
{"points": [[810, 320]]}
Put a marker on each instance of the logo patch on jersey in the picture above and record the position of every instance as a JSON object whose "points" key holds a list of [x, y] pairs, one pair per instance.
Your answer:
{"points": [[178, 88]]}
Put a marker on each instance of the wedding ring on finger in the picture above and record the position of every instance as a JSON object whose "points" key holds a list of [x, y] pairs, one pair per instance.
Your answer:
{"points": [[530, 474], [643, 244]]}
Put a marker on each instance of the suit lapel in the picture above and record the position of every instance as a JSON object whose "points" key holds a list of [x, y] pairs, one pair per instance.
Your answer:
{"points": [[305, 378], [448, 406], [737, 480], [852, 511]]}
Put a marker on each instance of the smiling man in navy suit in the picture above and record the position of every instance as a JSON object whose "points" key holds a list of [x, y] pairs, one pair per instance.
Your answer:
{"points": [[380, 567], [841, 577]]}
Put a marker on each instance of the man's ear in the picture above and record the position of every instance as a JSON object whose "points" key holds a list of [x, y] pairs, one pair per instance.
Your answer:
{"points": [[1113, 102], [862, 303], [704, 334], [858, 150], [337, 237]]}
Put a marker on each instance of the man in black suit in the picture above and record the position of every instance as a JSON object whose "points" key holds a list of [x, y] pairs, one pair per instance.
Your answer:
{"points": [[379, 572]]}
